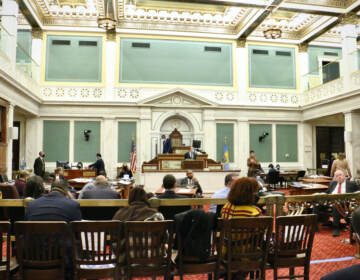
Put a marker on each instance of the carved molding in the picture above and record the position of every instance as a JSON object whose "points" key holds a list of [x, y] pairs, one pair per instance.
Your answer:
{"points": [[71, 93], [303, 47], [349, 18], [37, 33], [111, 35], [240, 43], [272, 98]]}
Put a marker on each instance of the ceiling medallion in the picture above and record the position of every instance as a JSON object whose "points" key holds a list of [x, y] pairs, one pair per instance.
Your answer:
{"points": [[272, 33]]}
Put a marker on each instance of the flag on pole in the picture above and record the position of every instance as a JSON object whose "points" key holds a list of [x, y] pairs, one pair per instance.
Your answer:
{"points": [[133, 156], [226, 157]]}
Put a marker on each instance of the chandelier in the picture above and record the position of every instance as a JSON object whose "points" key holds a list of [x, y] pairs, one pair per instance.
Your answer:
{"points": [[108, 21], [272, 33]]}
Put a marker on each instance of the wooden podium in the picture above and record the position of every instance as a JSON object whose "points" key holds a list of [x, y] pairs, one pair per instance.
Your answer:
{"points": [[192, 164]]}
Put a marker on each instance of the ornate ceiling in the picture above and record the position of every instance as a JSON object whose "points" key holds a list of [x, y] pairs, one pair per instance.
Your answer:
{"points": [[300, 21]]}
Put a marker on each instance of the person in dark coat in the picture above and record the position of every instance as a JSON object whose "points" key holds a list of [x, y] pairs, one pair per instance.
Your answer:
{"points": [[167, 147], [20, 182], [34, 187], [125, 170], [99, 165], [39, 165]]}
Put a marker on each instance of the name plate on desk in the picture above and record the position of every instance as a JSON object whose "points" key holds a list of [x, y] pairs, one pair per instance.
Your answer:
{"points": [[89, 173], [215, 167], [170, 164]]}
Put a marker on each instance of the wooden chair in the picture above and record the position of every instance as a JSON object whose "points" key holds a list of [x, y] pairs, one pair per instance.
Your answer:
{"points": [[96, 249], [148, 248], [193, 265], [41, 249], [273, 179], [293, 243], [8, 264], [246, 241]]}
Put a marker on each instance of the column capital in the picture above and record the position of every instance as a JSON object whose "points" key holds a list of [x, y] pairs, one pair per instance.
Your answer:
{"points": [[349, 18], [303, 47], [240, 43], [37, 33]]}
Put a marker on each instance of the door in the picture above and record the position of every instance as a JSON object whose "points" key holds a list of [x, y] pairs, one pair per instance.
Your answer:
{"points": [[16, 149]]}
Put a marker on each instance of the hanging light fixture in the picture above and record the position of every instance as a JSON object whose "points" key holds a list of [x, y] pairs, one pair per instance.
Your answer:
{"points": [[108, 21], [272, 33]]}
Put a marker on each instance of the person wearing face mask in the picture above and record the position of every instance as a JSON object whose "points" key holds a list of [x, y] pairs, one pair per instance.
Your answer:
{"points": [[125, 170], [39, 165], [191, 182]]}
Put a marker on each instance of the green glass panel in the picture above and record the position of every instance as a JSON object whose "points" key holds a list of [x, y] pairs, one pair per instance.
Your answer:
{"points": [[56, 140], [73, 59], [286, 143], [224, 131], [263, 148], [315, 52], [85, 151], [175, 62], [272, 67], [23, 50], [126, 132]]}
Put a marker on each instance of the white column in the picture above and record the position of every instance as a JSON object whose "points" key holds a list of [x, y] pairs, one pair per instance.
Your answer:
{"points": [[304, 67], [9, 13], [209, 144], [348, 64], [109, 151], [143, 141], [306, 150], [34, 140], [36, 53], [71, 140], [241, 67], [244, 145], [111, 61], [9, 153], [352, 141]]}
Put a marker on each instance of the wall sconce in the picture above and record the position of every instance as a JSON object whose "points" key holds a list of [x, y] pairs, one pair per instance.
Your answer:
{"points": [[87, 134], [287, 155], [262, 137]]}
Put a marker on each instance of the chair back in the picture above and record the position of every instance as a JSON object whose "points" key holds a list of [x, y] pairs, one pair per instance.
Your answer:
{"points": [[9, 191], [148, 246], [300, 174], [294, 236], [273, 177], [41, 247], [96, 243], [5, 240], [247, 242]]}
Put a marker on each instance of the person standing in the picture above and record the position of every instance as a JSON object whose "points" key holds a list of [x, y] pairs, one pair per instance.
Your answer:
{"points": [[39, 165], [253, 165], [166, 144], [340, 164], [98, 165]]}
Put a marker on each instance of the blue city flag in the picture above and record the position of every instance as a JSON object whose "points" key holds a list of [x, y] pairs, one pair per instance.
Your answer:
{"points": [[226, 157]]}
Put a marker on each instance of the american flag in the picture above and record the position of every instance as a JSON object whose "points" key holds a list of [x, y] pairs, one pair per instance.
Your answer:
{"points": [[133, 157]]}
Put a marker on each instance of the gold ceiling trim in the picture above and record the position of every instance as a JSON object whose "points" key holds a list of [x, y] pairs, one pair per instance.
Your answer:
{"points": [[71, 3], [342, 4], [188, 7]]}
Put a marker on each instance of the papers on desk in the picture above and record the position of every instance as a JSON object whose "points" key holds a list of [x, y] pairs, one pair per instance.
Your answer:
{"points": [[81, 180], [180, 191], [299, 185], [124, 182]]}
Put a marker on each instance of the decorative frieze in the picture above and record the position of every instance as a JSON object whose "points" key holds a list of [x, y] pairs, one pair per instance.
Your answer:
{"points": [[323, 92], [273, 98], [73, 93]]}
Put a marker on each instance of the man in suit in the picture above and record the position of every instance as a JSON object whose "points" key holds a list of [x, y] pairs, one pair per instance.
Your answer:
{"points": [[340, 186], [56, 206], [190, 154], [39, 165], [169, 183], [167, 147], [191, 182], [101, 190], [98, 165]]}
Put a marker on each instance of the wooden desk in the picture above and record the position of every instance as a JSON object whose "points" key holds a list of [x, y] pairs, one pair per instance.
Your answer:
{"points": [[183, 191], [192, 164], [79, 173], [316, 181], [307, 189], [79, 183], [124, 189]]}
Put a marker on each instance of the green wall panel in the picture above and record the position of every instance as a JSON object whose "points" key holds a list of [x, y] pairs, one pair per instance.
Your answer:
{"points": [[286, 143], [263, 150], [271, 67], [224, 130], [175, 62], [23, 50], [73, 59], [126, 130], [315, 52], [85, 151], [56, 140]]}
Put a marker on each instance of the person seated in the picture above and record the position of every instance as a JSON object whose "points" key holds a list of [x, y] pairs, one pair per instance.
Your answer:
{"points": [[34, 187], [191, 154], [20, 182], [241, 200], [169, 184], [270, 173], [281, 179], [101, 190], [125, 172], [339, 186], [223, 193], [191, 182], [139, 208], [58, 174], [351, 272]]}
